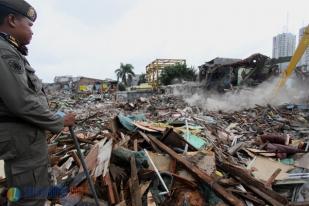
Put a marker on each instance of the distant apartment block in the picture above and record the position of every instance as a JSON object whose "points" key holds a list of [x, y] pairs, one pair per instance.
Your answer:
{"points": [[283, 46]]}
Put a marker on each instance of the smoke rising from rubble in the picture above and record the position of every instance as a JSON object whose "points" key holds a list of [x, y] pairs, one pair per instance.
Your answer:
{"points": [[246, 98]]}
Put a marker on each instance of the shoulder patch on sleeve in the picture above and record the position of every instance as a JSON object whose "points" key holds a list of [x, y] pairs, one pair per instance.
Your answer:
{"points": [[12, 60], [15, 67]]}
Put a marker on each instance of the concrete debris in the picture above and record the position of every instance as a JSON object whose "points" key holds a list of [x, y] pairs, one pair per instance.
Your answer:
{"points": [[255, 156], [222, 73]]}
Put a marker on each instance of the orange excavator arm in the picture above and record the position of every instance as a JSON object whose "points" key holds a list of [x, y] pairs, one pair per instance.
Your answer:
{"points": [[300, 50]]}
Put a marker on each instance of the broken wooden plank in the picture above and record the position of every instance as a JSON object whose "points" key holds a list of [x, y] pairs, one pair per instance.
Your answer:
{"points": [[200, 174], [173, 166], [103, 158], [76, 158], [114, 126], [253, 184], [110, 191], [52, 148], [249, 197], [272, 178], [144, 186], [156, 149], [136, 197], [116, 193], [135, 145]]}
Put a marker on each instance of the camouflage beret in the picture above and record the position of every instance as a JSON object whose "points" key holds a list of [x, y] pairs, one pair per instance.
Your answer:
{"points": [[20, 7]]}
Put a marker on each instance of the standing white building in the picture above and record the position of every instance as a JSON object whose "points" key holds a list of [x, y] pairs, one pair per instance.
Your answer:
{"points": [[304, 61], [283, 46]]}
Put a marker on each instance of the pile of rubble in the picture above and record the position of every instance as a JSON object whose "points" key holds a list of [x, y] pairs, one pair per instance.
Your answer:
{"points": [[160, 151]]}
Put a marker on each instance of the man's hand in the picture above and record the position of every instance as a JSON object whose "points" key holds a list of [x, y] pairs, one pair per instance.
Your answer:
{"points": [[69, 119]]}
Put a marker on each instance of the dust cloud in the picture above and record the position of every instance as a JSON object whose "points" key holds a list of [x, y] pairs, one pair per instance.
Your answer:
{"points": [[293, 92]]}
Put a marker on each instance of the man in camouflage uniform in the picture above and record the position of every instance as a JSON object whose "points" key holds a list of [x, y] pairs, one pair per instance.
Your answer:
{"points": [[24, 111]]}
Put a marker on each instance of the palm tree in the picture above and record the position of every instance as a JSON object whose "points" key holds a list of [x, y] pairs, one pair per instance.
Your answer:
{"points": [[124, 72]]}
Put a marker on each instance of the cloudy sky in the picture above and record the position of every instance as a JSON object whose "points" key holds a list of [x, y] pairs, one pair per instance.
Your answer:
{"points": [[91, 38]]}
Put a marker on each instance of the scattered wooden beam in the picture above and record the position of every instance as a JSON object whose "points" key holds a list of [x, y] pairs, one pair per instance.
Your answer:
{"points": [[272, 178], [156, 149], [110, 190], [249, 197], [52, 148], [76, 158], [116, 193], [136, 197], [173, 166], [254, 185], [199, 174], [135, 145]]}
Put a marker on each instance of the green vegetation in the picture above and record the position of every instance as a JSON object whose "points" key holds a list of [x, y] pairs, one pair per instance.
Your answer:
{"points": [[177, 73], [142, 79]]}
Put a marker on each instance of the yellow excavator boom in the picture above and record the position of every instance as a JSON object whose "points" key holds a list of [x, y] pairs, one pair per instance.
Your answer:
{"points": [[300, 50]]}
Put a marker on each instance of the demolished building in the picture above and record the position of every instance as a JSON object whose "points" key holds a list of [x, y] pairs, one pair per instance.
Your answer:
{"points": [[82, 85], [223, 73]]}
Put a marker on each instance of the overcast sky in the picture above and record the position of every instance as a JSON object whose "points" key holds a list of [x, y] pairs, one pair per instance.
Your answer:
{"points": [[91, 38]]}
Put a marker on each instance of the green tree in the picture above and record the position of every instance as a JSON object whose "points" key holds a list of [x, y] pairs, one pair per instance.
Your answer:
{"points": [[124, 72], [121, 87], [177, 72], [142, 79]]}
